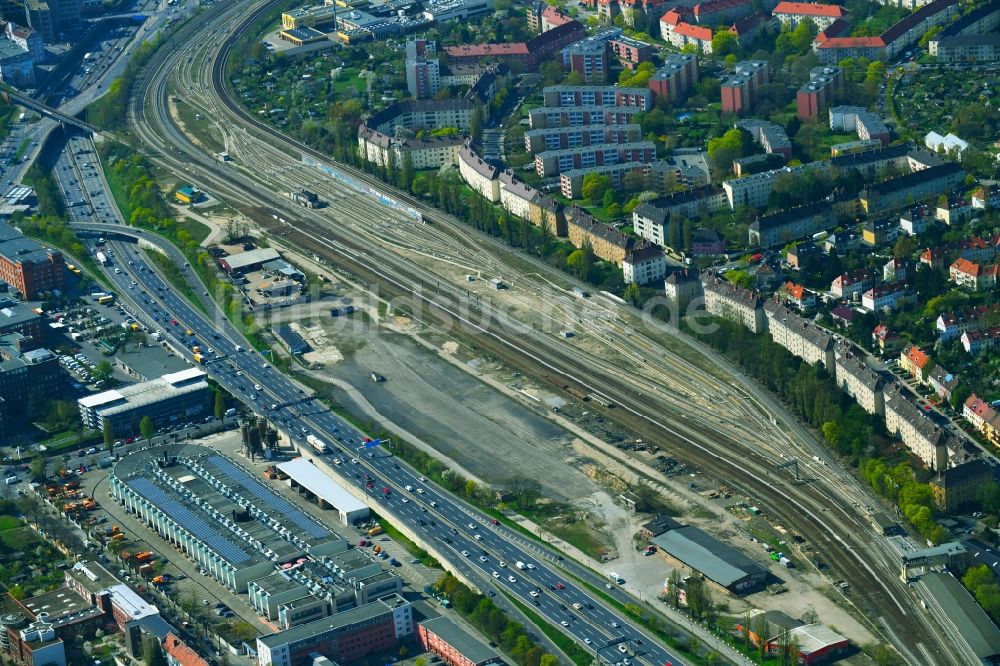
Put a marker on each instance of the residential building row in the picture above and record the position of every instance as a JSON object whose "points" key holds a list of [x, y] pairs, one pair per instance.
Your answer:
{"points": [[520, 56], [893, 41], [591, 56], [638, 259], [769, 135], [846, 364]]}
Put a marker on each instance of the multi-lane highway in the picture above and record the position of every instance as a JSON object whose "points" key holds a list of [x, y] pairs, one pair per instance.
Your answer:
{"points": [[438, 518], [820, 510]]}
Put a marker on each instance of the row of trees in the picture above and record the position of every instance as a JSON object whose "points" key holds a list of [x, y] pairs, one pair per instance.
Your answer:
{"points": [[815, 398], [483, 614]]}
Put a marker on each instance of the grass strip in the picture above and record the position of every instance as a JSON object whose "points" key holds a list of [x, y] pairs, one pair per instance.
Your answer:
{"points": [[412, 548]]}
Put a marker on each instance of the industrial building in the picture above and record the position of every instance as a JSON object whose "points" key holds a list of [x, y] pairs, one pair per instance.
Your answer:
{"points": [[316, 483], [175, 397], [220, 515], [342, 637], [722, 564], [968, 619], [247, 262]]}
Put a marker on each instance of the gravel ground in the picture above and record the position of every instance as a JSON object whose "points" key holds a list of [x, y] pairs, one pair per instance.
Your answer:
{"points": [[479, 429]]}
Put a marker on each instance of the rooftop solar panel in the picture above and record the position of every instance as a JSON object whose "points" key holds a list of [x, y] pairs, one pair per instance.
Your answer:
{"points": [[189, 521], [275, 502]]}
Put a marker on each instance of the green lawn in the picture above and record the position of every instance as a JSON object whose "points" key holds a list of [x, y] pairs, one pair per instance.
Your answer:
{"points": [[19, 538], [198, 231], [9, 523]]}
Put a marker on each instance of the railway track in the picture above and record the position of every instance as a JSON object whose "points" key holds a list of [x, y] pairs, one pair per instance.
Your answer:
{"points": [[816, 512]]}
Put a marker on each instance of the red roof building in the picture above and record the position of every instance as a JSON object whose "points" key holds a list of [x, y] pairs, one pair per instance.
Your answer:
{"points": [[793, 13], [180, 653]]}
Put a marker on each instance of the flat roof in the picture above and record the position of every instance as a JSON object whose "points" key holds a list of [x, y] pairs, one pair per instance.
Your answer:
{"points": [[721, 563], [321, 484], [466, 644], [148, 392], [57, 603], [968, 617], [131, 603], [333, 622], [92, 576], [243, 259]]}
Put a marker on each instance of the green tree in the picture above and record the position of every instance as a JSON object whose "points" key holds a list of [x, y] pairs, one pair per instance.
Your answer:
{"points": [[594, 187], [549, 660], [632, 294], [725, 43], [722, 150], [39, 469], [146, 428], [476, 123], [220, 405], [103, 371], [109, 435], [152, 652]]}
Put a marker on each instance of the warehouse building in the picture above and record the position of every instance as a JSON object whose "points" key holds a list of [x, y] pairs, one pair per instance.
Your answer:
{"points": [[175, 397], [217, 513], [342, 637], [328, 493], [247, 262], [968, 619], [722, 564]]}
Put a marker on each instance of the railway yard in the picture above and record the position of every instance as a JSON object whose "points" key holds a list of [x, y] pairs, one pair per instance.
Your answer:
{"points": [[661, 394], [579, 392]]}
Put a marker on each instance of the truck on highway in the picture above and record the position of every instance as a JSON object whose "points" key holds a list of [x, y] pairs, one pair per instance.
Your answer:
{"points": [[615, 578], [88, 56], [198, 358], [102, 259], [520, 565], [317, 443]]}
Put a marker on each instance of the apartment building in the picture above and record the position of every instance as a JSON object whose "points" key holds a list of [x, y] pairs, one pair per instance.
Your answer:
{"points": [[682, 287], [679, 74], [860, 120], [799, 336], [543, 17], [916, 362], [553, 162], [850, 286], [886, 297], [911, 188], [555, 116], [916, 429], [952, 324], [422, 115], [630, 52], [679, 33], [590, 96], [819, 92], [822, 16], [519, 56], [183, 394], [454, 645], [859, 381], [983, 418], [650, 219], [957, 487], [797, 296], [724, 299], [754, 191], [981, 340], [740, 88], [431, 152], [880, 232], [942, 382], [589, 57], [564, 138], [608, 243], [571, 182], [644, 264], [480, 175], [890, 43], [793, 224], [973, 276], [770, 136]]}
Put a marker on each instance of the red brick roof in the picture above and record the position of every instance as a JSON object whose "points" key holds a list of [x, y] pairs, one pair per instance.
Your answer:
{"points": [[180, 651], [852, 42], [918, 357], [673, 17], [966, 266], [809, 9], [473, 50], [555, 17], [694, 31], [795, 291]]}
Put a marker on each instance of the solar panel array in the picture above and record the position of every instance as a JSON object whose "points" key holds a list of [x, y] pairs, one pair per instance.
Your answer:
{"points": [[271, 501], [189, 521]]}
